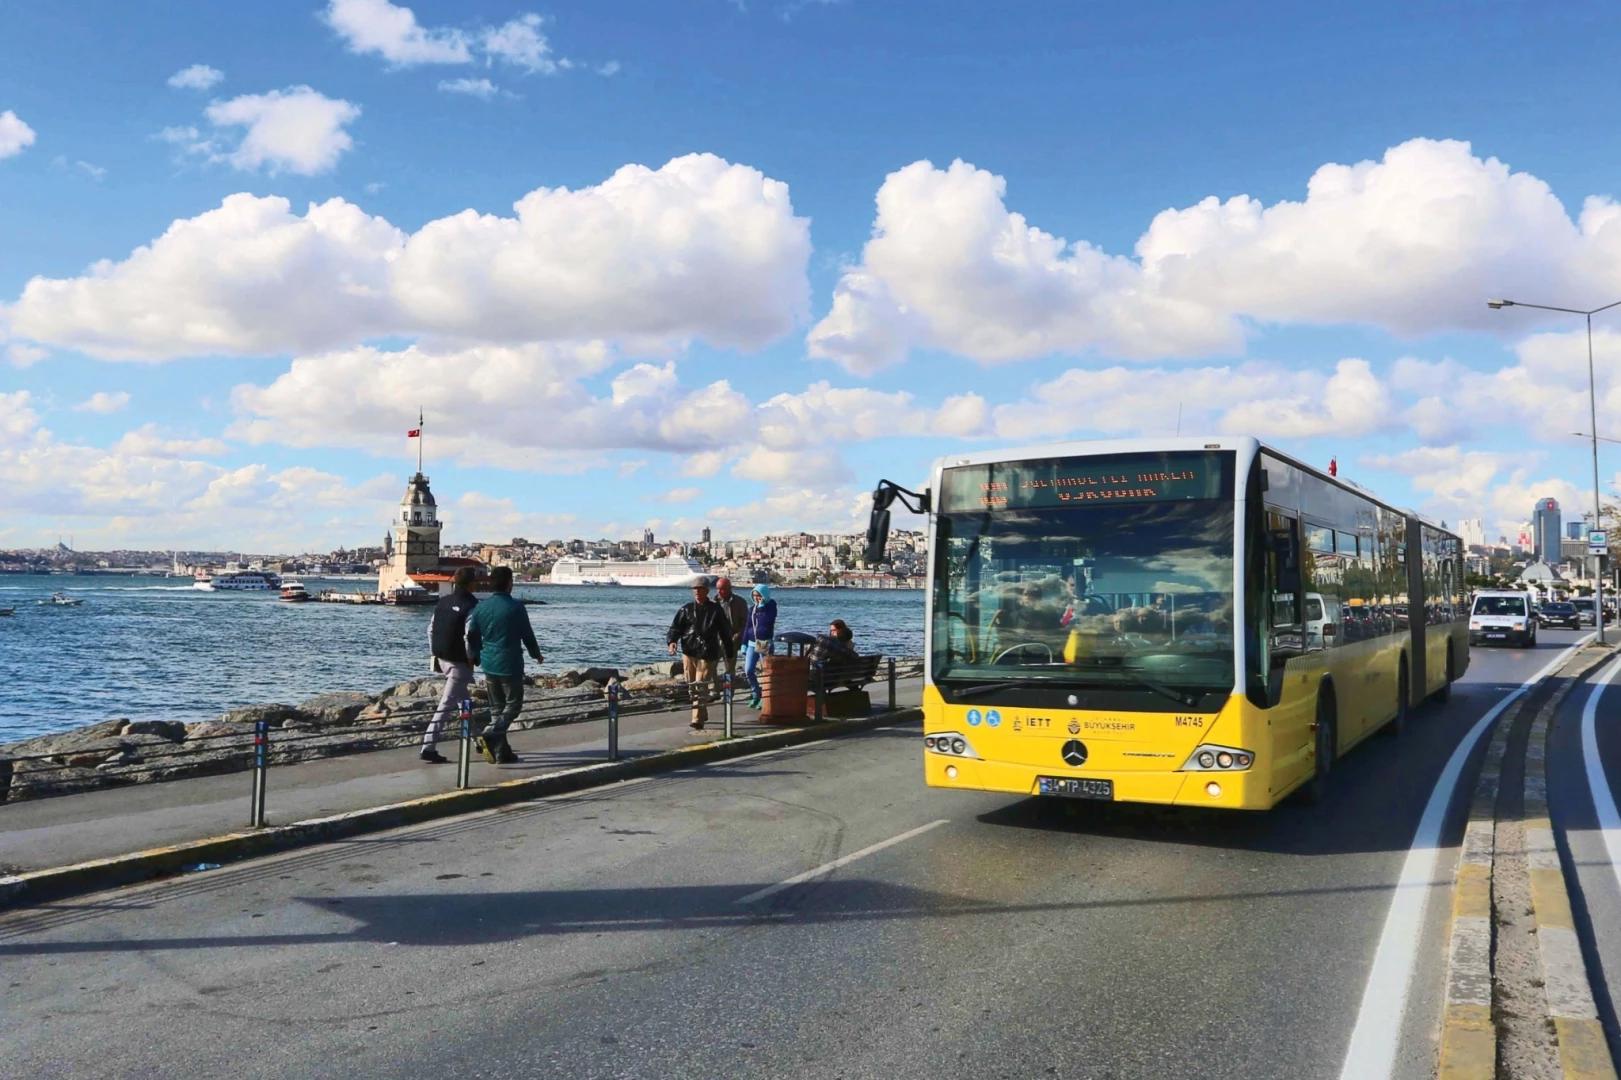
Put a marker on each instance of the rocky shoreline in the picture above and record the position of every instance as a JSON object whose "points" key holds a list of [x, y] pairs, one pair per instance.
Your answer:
{"points": [[120, 751]]}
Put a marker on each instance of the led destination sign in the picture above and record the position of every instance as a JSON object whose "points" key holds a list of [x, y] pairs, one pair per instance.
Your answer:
{"points": [[1087, 481]]}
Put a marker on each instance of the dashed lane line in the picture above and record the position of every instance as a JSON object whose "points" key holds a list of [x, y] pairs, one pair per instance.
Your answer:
{"points": [[843, 860]]}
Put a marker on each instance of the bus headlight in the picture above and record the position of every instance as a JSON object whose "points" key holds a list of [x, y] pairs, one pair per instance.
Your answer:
{"points": [[949, 743], [1212, 758]]}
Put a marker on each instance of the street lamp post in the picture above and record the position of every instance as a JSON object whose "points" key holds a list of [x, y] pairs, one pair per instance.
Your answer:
{"points": [[1592, 408]]}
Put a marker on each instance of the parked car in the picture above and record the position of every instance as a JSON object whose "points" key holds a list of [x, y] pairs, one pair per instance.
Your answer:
{"points": [[1502, 615], [1560, 613]]}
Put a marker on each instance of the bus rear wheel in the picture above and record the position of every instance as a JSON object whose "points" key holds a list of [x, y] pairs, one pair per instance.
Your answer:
{"points": [[1316, 789], [1444, 694], [1404, 694]]}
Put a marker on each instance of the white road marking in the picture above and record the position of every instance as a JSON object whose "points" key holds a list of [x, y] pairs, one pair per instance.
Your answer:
{"points": [[843, 860], [1377, 1035], [1598, 785]]}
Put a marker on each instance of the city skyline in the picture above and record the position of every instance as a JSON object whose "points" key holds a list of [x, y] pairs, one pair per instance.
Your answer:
{"points": [[635, 286]]}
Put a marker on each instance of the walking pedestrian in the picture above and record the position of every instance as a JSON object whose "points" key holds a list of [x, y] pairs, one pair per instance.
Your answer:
{"points": [[701, 630], [497, 633], [447, 637], [758, 631], [736, 610]]}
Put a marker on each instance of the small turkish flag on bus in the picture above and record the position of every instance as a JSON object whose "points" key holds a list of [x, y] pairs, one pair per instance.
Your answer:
{"points": [[1333, 466], [414, 433]]}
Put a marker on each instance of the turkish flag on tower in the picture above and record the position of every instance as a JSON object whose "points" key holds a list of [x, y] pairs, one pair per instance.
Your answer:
{"points": [[414, 433]]}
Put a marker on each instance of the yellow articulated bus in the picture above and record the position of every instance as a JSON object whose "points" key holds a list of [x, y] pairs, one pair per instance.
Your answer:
{"points": [[1198, 622]]}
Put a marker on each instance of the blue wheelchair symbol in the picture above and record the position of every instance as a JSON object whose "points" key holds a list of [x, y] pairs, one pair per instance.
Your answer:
{"points": [[993, 718]]}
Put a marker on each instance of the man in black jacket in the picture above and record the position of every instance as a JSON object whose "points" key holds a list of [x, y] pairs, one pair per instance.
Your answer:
{"points": [[701, 629], [446, 635]]}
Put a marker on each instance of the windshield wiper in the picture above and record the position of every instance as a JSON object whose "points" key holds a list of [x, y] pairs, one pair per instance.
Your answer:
{"points": [[1177, 696], [986, 688]]}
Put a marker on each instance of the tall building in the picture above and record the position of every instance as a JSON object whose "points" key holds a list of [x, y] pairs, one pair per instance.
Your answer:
{"points": [[1574, 530], [706, 536], [1472, 531], [647, 539], [1545, 528]]}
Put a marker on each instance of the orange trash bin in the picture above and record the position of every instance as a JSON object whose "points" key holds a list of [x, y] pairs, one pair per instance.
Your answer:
{"points": [[784, 685]]}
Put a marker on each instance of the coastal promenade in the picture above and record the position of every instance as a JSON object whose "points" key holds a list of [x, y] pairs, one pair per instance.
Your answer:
{"points": [[44, 833]]}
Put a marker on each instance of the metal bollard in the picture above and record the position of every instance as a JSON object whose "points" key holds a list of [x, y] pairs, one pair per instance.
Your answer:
{"points": [[726, 710], [464, 763], [261, 763], [816, 675], [613, 721], [891, 684]]}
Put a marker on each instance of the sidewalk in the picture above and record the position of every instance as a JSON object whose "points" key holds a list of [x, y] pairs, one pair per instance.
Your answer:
{"points": [[43, 833]]}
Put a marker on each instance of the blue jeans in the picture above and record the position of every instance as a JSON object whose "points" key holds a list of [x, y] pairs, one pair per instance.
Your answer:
{"points": [[751, 666]]}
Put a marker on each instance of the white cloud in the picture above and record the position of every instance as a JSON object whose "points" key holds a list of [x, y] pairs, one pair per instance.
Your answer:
{"points": [[1413, 243], [22, 355], [699, 248], [392, 32], [816, 469], [476, 516], [1458, 483], [676, 495], [95, 172], [103, 402], [15, 136], [521, 43], [196, 77], [610, 68], [298, 130], [479, 88], [150, 441], [519, 407], [1254, 398], [145, 491]]}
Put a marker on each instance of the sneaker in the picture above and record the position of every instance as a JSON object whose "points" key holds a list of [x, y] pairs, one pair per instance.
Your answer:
{"points": [[486, 748], [504, 754], [756, 702], [433, 757], [698, 725]]}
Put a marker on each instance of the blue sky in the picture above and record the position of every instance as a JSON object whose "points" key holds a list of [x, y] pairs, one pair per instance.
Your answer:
{"points": [[798, 292]]}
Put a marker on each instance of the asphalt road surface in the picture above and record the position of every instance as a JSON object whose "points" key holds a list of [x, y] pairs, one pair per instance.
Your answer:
{"points": [[647, 931]]}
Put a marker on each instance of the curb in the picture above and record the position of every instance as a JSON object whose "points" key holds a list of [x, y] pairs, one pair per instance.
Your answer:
{"points": [[1468, 1029], [1584, 1054], [1468, 1035], [39, 886]]}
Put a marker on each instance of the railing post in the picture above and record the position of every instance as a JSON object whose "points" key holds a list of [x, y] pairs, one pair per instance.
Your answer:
{"points": [[726, 708], [261, 762], [613, 721], [464, 759], [818, 682], [891, 684]]}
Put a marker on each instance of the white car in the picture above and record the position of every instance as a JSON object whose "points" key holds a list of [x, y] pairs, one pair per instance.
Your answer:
{"points": [[1500, 615]]}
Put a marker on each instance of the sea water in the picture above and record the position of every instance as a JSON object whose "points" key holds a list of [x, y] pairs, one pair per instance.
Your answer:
{"points": [[151, 648]]}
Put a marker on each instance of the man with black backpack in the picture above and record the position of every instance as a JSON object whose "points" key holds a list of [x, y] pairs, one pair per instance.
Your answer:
{"points": [[447, 638]]}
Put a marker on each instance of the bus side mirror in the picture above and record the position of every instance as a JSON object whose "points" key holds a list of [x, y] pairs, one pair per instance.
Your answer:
{"points": [[877, 534]]}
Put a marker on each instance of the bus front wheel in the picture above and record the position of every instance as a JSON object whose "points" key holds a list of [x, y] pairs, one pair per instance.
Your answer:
{"points": [[1316, 789]]}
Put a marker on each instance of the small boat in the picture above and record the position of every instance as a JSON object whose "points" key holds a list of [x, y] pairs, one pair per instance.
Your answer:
{"points": [[59, 599], [294, 592], [409, 595], [7, 611]]}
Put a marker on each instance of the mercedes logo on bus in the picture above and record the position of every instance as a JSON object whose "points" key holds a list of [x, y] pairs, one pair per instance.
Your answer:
{"points": [[1074, 753]]}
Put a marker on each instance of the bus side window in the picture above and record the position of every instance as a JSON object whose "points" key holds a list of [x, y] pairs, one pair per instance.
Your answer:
{"points": [[1285, 599]]}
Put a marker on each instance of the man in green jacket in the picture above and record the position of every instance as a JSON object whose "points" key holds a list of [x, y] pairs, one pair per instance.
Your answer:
{"points": [[497, 632]]}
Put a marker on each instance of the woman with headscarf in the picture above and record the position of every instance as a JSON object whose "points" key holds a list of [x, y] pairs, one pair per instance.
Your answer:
{"points": [[758, 630]]}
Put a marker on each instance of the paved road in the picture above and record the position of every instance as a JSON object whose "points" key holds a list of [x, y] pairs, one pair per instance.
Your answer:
{"points": [[607, 934]]}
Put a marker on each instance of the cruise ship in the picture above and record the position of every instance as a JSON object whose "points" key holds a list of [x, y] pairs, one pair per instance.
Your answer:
{"points": [[671, 570]]}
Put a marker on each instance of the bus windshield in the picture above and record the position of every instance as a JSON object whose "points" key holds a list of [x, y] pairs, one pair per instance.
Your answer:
{"points": [[1098, 594]]}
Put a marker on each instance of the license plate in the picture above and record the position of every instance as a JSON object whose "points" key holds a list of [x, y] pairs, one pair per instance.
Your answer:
{"points": [[1497, 635], [1072, 787]]}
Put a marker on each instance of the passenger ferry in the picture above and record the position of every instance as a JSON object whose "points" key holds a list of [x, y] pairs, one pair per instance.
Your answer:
{"points": [[294, 592], [238, 581], [671, 570]]}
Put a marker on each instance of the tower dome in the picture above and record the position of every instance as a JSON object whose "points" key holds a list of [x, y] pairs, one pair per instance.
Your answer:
{"points": [[418, 506]]}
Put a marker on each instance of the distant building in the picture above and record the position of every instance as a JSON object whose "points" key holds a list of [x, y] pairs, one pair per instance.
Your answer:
{"points": [[1545, 529], [1575, 530], [1472, 531]]}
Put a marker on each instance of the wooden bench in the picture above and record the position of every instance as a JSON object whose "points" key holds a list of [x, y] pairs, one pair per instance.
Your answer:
{"points": [[851, 674]]}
